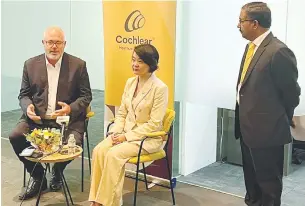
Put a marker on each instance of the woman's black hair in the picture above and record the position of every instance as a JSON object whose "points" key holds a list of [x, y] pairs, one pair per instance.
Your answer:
{"points": [[149, 54]]}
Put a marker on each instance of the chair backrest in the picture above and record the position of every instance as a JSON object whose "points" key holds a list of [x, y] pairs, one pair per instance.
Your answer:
{"points": [[89, 113], [88, 109], [168, 121]]}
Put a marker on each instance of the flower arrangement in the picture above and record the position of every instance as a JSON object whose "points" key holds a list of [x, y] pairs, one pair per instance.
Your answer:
{"points": [[45, 140]]}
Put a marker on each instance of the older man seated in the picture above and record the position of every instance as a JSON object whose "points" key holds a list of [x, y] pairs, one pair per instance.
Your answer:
{"points": [[53, 84]]}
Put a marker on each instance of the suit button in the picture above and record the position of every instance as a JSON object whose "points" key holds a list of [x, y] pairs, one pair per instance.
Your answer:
{"points": [[241, 95]]}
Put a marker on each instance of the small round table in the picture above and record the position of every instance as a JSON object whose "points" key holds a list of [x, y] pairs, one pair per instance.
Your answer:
{"points": [[60, 156]]}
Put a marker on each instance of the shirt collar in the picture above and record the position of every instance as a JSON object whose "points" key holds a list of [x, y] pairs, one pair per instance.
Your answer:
{"points": [[260, 39], [58, 63]]}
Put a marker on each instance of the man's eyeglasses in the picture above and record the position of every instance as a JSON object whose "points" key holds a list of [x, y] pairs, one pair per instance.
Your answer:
{"points": [[57, 43], [244, 20]]}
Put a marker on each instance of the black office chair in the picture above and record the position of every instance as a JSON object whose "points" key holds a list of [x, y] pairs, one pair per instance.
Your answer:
{"points": [[298, 151]]}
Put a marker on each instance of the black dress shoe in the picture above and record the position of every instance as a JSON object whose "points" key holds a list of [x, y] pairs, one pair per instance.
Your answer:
{"points": [[252, 201], [33, 188], [296, 160], [55, 182]]}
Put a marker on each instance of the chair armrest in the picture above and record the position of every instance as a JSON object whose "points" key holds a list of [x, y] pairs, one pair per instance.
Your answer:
{"points": [[144, 140], [149, 136], [108, 127], [141, 146], [156, 134], [152, 135], [90, 114]]}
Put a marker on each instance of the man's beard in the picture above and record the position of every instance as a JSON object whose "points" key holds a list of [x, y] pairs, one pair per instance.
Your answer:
{"points": [[54, 56]]}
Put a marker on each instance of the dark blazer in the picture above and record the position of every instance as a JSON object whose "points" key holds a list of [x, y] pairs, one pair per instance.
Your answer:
{"points": [[268, 96], [73, 88]]}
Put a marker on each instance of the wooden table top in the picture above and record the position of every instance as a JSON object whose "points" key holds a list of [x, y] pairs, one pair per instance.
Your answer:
{"points": [[61, 156]]}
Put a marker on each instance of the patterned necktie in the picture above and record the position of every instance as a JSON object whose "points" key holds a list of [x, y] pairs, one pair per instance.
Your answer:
{"points": [[247, 61]]}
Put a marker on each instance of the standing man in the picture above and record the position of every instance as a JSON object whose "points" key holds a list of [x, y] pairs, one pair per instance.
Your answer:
{"points": [[53, 84], [267, 94]]}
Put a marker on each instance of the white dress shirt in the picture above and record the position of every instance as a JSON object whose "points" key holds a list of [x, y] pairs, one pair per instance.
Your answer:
{"points": [[257, 42], [53, 75]]}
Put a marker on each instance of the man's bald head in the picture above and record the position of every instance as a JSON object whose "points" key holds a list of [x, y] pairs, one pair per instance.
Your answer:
{"points": [[54, 43], [54, 30]]}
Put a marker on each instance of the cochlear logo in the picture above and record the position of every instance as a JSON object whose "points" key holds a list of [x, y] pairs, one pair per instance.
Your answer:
{"points": [[134, 21]]}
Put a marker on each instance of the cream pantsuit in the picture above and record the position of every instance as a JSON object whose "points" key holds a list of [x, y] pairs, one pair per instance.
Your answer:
{"points": [[108, 171], [136, 117]]}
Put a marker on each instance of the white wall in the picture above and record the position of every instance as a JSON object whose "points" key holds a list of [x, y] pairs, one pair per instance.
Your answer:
{"points": [[215, 48], [87, 38], [22, 27], [23, 24], [200, 136], [182, 19], [296, 41], [209, 50]]}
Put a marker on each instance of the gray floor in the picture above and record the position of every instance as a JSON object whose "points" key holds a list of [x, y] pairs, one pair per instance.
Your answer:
{"points": [[186, 195], [229, 178]]}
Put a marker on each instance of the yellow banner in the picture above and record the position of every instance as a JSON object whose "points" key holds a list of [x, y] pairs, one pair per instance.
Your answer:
{"points": [[127, 24]]}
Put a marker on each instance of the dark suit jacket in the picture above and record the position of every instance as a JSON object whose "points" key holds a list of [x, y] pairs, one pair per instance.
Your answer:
{"points": [[73, 88], [268, 96]]}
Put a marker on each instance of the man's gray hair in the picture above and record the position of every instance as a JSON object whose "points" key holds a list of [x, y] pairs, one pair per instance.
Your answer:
{"points": [[260, 12]]}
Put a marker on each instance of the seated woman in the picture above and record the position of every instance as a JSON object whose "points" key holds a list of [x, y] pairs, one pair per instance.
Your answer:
{"points": [[142, 110]]}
